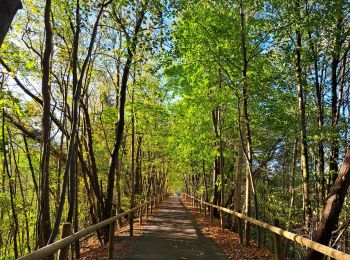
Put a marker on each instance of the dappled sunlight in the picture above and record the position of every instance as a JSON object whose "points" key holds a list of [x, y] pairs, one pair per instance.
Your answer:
{"points": [[171, 234]]}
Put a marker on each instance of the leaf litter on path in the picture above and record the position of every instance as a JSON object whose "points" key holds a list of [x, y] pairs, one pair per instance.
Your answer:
{"points": [[226, 239]]}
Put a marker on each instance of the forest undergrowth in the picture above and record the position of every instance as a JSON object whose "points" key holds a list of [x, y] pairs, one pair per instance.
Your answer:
{"points": [[227, 240]]}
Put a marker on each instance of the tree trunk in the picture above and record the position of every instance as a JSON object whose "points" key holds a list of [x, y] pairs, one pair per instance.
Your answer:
{"points": [[292, 195], [138, 171], [29, 158], [43, 222], [91, 155], [215, 186], [302, 127], [238, 185], [320, 121], [24, 201], [217, 162], [248, 134], [334, 154], [132, 176], [332, 210], [7, 169], [206, 196], [120, 125], [8, 9]]}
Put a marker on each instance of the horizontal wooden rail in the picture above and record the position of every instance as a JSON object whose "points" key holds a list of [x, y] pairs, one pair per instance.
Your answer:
{"points": [[52, 248], [284, 233]]}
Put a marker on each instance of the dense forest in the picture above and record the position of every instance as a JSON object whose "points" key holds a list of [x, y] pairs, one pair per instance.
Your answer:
{"points": [[243, 103]]}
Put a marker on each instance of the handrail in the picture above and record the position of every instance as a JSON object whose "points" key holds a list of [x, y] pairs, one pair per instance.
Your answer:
{"points": [[284, 233], [52, 248]]}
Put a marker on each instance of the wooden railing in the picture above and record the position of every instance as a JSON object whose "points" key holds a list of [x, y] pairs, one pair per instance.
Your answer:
{"points": [[67, 241], [328, 251]]}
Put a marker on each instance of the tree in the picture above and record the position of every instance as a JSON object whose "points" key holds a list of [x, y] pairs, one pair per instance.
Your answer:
{"points": [[333, 207], [44, 224], [8, 10]]}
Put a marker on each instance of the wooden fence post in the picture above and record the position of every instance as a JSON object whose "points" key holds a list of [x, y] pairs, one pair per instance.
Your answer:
{"points": [[147, 211], [211, 215], [222, 218], [200, 206], [111, 240], [240, 231], [277, 242], [140, 218], [66, 231], [131, 223]]}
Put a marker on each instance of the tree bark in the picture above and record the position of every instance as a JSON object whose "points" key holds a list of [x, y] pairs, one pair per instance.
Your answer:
{"points": [[247, 129], [11, 188], [332, 210], [238, 185], [334, 154], [120, 124], [138, 171], [302, 127], [29, 158], [320, 121], [206, 194], [92, 159], [24, 201], [44, 224], [132, 176], [8, 9]]}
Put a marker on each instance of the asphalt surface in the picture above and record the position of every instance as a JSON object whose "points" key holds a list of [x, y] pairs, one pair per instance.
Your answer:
{"points": [[173, 234]]}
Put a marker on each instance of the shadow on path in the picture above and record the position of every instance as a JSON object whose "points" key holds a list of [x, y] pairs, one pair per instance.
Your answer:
{"points": [[173, 234]]}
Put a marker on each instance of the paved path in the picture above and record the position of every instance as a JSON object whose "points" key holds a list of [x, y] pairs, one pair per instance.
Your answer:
{"points": [[173, 234]]}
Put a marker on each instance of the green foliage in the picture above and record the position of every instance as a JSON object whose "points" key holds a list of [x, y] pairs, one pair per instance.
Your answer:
{"points": [[185, 92]]}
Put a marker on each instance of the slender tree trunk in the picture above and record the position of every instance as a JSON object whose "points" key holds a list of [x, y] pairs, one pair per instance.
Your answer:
{"points": [[215, 185], [73, 142], [320, 121], [217, 161], [221, 165], [334, 154], [120, 125], [132, 177], [292, 185], [44, 223], [94, 181], [248, 192], [76, 217], [138, 171], [118, 190], [205, 182], [24, 201], [238, 184], [248, 134], [11, 187], [292, 195], [302, 127], [29, 158]]}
